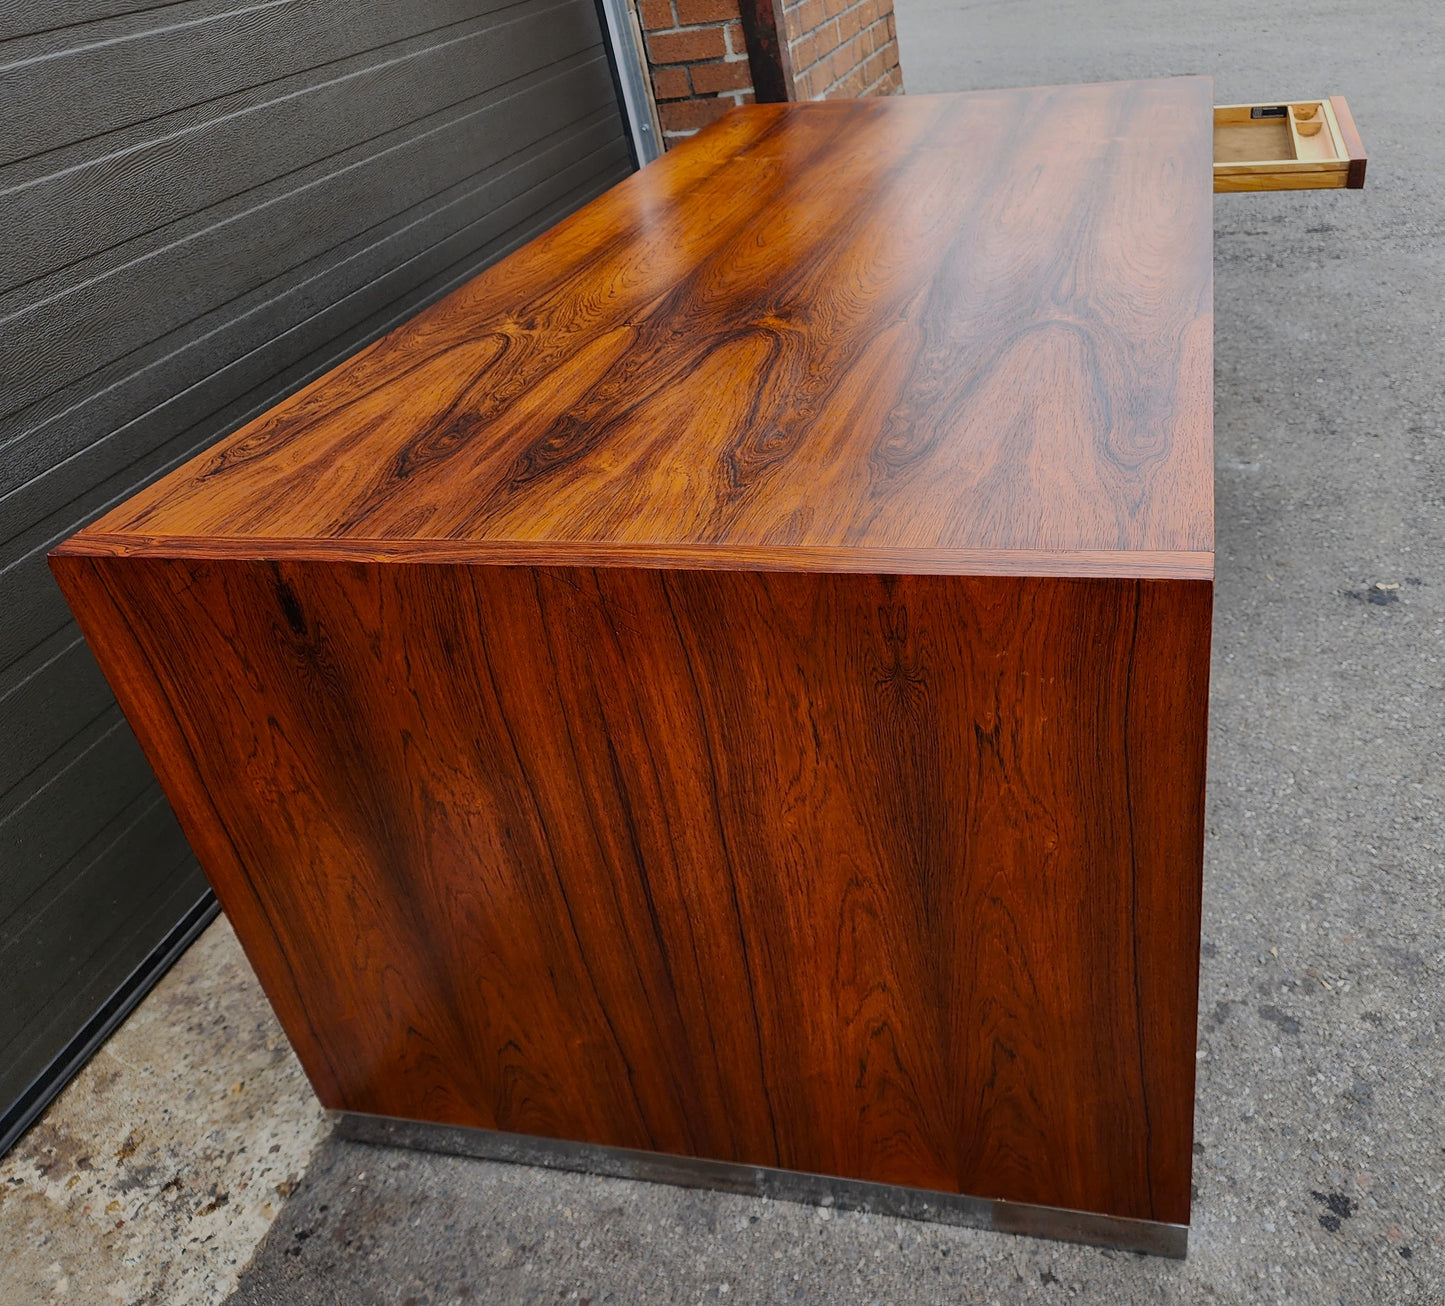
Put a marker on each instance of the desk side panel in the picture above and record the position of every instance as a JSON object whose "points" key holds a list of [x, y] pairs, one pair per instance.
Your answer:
{"points": [[889, 878]]}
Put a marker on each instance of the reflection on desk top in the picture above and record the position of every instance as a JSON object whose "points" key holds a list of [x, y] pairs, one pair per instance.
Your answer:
{"points": [[962, 333]]}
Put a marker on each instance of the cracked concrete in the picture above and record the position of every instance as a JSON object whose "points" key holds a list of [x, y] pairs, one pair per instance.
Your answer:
{"points": [[154, 1175]]}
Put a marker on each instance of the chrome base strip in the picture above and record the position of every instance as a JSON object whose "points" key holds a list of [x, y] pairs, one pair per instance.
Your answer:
{"points": [[1148, 1236]]}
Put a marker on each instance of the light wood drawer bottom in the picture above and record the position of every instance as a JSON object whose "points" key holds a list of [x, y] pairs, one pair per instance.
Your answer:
{"points": [[1305, 145]]}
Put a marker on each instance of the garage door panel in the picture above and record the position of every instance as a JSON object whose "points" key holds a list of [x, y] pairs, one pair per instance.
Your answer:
{"points": [[55, 84], [205, 206]]}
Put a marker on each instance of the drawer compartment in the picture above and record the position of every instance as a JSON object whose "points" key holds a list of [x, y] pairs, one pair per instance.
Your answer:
{"points": [[1305, 145]]}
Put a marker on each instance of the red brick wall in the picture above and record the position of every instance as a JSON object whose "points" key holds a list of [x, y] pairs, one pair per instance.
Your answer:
{"points": [[842, 48], [698, 59], [698, 56]]}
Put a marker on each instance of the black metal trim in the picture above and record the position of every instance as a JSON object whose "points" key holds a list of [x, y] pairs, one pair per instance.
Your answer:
{"points": [[604, 21], [22, 1113]]}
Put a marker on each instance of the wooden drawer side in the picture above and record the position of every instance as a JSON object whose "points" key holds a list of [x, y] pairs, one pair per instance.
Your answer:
{"points": [[1300, 145]]}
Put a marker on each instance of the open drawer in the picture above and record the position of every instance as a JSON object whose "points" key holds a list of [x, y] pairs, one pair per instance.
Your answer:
{"points": [[1308, 145]]}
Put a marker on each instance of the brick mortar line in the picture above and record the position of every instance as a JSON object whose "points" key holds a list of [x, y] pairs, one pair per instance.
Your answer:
{"points": [[693, 27], [872, 86], [877, 25], [879, 81]]}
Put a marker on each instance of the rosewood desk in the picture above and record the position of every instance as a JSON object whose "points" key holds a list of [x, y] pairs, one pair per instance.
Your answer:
{"points": [[723, 694]]}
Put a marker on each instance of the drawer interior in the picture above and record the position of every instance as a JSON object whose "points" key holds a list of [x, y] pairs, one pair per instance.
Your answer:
{"points": [[1299, 145]]}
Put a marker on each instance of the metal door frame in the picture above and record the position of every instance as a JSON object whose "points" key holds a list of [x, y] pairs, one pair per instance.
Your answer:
{"points": [[629, 71]]}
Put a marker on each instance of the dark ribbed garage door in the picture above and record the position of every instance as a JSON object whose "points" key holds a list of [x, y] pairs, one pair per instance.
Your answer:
{"points": [[202, 206]]}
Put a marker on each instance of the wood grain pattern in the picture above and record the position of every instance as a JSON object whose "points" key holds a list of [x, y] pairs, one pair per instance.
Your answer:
{"points": [[886, 878], [202, 207], [1354, 146], [973, 321], [731, 680], [1315, 146], [891, 561]]}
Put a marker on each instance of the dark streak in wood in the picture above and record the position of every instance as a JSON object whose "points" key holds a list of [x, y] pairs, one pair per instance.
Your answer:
{"points": [[975, 323], [978, 798], [732, 679]]}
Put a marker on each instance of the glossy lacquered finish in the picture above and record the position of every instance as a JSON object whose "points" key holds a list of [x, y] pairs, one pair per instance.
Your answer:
{"points": [[731, 681], [936, 322], [882, 877]]}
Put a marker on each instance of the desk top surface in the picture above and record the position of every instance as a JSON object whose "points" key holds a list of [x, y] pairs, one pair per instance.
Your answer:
{"points": [[964, 333]]}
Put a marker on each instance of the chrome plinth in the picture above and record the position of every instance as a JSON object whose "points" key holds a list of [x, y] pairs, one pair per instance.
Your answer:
{"points": [[1148, 1236]]}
